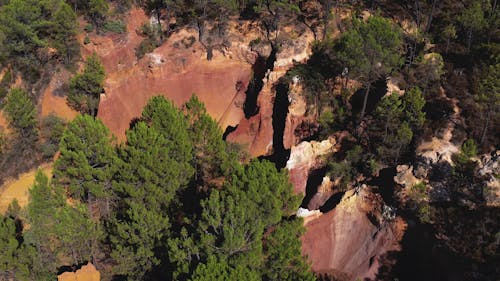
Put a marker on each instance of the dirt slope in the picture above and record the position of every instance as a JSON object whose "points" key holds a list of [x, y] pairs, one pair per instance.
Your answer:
{"points": [[18, 188]]}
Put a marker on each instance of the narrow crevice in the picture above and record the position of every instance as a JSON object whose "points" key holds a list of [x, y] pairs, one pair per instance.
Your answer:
{"points": [[229, 130], [280, 111], [332, 202], [260, 68], [385, 185], [314, 180]]}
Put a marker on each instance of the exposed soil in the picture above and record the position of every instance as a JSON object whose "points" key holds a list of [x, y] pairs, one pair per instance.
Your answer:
{"points": [[18, 188]]}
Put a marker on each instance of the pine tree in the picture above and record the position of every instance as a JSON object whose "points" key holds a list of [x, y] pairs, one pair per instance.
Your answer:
{"points": [[400, 117], [163, 116], [211, 156], [21, 114], [370, 50], [65, 29], [488, 98], [268, 188], [282, 249], [219, 270], [148, 179], [473, 20], [413, 105], [21, 23], [85, 88], [97, 12], [389, 110], [86, 163], [78, 236], [8, 247], [42, 218]]}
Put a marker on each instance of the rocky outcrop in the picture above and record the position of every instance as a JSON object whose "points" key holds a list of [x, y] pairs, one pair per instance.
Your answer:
{"points": [[348, 242], [405, 176], [304, 157], [256, 132], [177, 70], [296, 113], [86, 273], [489, 170], [324, 192]]}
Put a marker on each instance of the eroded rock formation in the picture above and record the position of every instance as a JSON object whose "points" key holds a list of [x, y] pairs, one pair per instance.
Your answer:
{"points": [[348, 242], [86, 273], [303, 158]]}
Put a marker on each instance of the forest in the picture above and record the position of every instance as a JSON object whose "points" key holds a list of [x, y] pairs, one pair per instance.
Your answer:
{"points": [[175, 200]]}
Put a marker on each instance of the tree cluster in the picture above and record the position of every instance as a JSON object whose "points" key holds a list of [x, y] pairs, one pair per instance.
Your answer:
{"points": [[172, 202], [30, 31]]}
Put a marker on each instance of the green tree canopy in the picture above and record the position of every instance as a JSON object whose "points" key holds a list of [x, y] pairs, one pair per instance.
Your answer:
{"points": [[169, 121], [21, 114], [148, 175], [472, 20], [370, 50], [86, 163], [282, 249], [85, 88], [215, 270], [400, 117], [65, 29], [488, 98], [212, 158], [8, 247]]}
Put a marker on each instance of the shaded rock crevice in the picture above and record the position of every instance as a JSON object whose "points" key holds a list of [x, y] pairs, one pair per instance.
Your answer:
{"points": [[261, 68]]}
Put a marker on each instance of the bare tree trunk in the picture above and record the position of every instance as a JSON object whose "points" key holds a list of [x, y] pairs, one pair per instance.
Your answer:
{"points": [[365, 100], [447, 45], [429, 20], [386, 129], [485, 129], [158, 17], [469, 39]]}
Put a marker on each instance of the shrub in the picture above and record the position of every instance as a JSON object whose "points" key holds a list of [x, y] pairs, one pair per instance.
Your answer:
{"points": [[147, 46], [255, 42], [188, 42], [89, 28], [116, 26]]}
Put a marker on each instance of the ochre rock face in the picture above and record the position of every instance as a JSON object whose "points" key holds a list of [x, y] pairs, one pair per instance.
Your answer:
{"points": [[345, 243], [256, 132], [303, 158], [86, 273], [174, 70], [214, 82]]}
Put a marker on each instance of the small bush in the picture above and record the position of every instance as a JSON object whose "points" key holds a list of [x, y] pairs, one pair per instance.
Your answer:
{"points": [[116, 26], [147, 30], [86, 40], [52, 129], [469, 148], [188, 42], [147, 46], [89, 28], [4, 85], [255, 42]]}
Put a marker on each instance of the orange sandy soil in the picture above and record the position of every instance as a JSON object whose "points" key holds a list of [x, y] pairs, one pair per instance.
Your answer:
{"points": [[52, 103], [3, 122], [18, 188]]}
